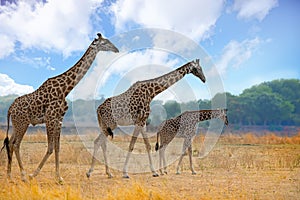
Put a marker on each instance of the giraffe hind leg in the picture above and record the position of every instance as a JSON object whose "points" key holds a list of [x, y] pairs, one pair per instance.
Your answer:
{"points": [[162, 161], [14, 146], [191, 161], [10, 151], [136, 133], [186, 144], [96, 148], [148, 148]]}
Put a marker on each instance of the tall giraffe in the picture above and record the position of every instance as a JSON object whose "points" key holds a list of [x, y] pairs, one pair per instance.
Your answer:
{"points": [[48, 105], [133, 108], [183, 126]]}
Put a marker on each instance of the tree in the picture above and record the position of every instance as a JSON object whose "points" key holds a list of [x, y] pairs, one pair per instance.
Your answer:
{"points": [[172, 108]]}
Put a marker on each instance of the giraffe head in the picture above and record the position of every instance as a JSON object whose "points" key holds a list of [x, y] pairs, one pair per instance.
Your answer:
{"points": [[102, 44], [222, 114], [196, 69]]}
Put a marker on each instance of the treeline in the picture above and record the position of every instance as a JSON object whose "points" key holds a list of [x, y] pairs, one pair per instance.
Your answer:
{"points": [[270, 103]]}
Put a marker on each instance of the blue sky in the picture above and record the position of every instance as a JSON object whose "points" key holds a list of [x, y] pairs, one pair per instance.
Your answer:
{"points": [[248, 41]]}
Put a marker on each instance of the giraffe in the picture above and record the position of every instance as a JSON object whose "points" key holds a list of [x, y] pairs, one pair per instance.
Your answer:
{"points": [[48, 105], [133, 108], [183, 126]]}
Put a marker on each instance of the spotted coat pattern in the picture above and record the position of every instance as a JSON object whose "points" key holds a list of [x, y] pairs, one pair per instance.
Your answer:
{"points": [[184, 126], [48, 105], [133, 108]]}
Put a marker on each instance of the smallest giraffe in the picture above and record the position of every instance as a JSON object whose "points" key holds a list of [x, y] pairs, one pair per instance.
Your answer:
{"points": [[183, 126]]}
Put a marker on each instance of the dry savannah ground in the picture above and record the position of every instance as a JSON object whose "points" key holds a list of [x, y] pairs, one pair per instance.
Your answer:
{"points": [[239, 167]]}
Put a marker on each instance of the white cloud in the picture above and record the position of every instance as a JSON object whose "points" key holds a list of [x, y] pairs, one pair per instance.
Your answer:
{"points": [[194, 18], [6, 47], [55, 25], [235, 53], [9, 86], [258, 9], [36, 62]]}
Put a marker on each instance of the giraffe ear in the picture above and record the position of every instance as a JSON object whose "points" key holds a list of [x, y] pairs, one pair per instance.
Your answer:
{"points": [[99, 35], [197, 60]]}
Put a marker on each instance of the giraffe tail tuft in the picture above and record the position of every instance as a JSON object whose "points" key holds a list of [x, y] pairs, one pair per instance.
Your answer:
{"points": [[6, 144], [6, 140], [110, 132], [156, 146]]}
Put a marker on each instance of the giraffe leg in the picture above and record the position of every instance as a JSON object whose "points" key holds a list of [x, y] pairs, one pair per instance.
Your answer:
{"points": [[148, 148], [45, 158], [191, 161], [56, 149], [103, 143], [11, 150], [160, 161], [164, 159], [99, 141], [17, 152], [136, 132], [96, 148], [15, 146], [52, 126], [186, 144]]}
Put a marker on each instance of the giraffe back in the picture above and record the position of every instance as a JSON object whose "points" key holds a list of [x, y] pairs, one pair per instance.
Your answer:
{"points": [[184, 125]]}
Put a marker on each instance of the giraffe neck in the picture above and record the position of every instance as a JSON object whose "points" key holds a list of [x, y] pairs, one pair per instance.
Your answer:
{"points": [[163, 82], [203, 115], [71, 77]]}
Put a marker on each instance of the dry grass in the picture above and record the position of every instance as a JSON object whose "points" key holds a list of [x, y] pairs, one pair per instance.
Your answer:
{"points": [[239, 167], [269, 138]]}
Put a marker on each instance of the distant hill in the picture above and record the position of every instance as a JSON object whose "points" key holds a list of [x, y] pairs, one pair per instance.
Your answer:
{"points": [[274, 103]]}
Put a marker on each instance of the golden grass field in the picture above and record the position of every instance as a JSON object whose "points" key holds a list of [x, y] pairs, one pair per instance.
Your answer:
{"points": [[239, 167]]}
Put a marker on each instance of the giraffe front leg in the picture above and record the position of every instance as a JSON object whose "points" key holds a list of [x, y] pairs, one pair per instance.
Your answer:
{"points": [[179, 163], [51, 126], [45, 158], [57, 149]]}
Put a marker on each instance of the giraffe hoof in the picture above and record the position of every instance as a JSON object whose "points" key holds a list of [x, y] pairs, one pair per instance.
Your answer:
{"points": [[126, 176], [88, 175], [24, 179], [110, 176], [194, 173], [31, 176], [177, 173], [155, 175], [60, 181], [166, 172]]}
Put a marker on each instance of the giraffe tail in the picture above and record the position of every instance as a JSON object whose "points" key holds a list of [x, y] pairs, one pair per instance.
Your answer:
{"points": [[157, 144], [6, 140], [110, 132]]}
